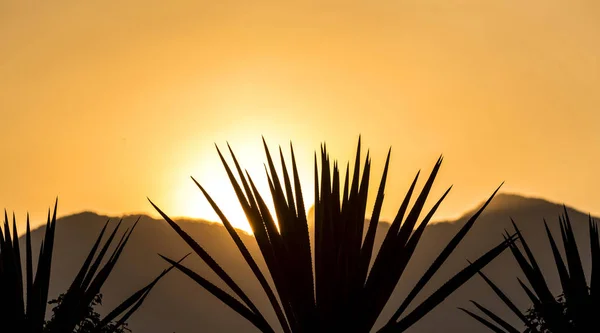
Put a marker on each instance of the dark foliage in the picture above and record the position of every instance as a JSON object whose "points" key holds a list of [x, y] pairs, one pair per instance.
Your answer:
{"points": [[23, 299], [350, 285], [574, 310], [91, 320]]}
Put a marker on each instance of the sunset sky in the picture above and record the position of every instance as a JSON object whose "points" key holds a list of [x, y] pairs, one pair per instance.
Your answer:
{"points": [[105, 103]]}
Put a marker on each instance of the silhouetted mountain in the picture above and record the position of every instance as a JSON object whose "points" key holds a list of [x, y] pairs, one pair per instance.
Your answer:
{"points": [[177, 304]]}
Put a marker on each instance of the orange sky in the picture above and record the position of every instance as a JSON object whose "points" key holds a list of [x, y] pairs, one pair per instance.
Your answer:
{"points": [[106, 102]]}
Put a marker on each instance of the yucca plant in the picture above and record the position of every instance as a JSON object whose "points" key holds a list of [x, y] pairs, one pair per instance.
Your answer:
{"points": [[574, 310], [347, 289], [23, 303]]}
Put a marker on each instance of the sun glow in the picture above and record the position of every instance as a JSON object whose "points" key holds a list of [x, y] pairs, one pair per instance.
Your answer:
{"points": [[211, 175], [192, 203]]}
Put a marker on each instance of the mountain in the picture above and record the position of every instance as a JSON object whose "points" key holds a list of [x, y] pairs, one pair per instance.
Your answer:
{"points": [[179, 305]]}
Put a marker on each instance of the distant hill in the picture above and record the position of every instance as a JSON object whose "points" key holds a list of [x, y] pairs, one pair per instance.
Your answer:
{"points": [[179, 305]]}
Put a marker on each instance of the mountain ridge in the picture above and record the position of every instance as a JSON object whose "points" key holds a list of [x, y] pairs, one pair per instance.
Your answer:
{"points": [[177, 304], [506, 198]]}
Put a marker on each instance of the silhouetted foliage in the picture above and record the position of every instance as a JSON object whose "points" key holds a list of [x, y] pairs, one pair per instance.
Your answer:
{"points": [[347, 290], [23, 302], [91, 319], [536, 317], [574, 310]]}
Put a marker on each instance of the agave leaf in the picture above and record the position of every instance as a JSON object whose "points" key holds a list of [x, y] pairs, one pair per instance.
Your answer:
{"points": [[393, 241], [208, 259], [528, 252], [560, 265], [223, 296], [133, 302], [250, 208], [103, 274], [395, 227], [450, 286], [573, 259], [441, 259], [507, 301], [276, 265], [402, 260], [367, 246], [536, 279], [17, 256], [407, 227], [346, 193], [552, 309], [356, 174], [534, 299], [88, 271], [277, 191], [11, 279], [288, 185], [303, 236], [78, 281], [484, 321], [577, 276], [578, 301], [509, 328], [41, 280], [298, 265], [595, 253], [248, 257], [298, 189], [541, 296], [29, 268]]}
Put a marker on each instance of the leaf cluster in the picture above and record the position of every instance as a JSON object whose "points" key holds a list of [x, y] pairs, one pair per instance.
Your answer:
{"points": [[340, 284], [24, 297], [574, 310]]}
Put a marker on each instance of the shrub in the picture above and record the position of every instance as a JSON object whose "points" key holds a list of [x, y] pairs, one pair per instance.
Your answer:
{"points": [[574, 309], [342, 293]]}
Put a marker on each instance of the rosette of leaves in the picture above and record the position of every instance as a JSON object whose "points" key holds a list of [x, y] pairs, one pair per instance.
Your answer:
{"points": [[574, 310], [350, 284], [24, 297]]}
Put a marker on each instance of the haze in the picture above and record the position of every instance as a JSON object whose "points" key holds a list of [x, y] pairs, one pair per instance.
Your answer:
{"points": [[104, 103]]}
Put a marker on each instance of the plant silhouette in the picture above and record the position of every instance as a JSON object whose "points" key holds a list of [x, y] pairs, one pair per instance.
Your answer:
{"points": [[23, 304], [91, 319], [350, 285], [574, 309]]}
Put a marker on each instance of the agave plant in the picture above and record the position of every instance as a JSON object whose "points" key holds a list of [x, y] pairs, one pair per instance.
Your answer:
{"points": [[23, 303], [349, 286], [574, 309]]}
